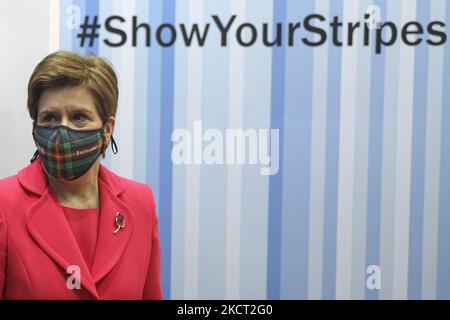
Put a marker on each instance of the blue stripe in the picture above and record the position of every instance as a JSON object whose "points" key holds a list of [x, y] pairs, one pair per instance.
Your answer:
{"points": [[296, 162], [332, 162], [375, 157], [276, 181], [154, 91], [92, 11], [141, 102], [65, 36], [165, 191], [443, 277], [418, 161]]}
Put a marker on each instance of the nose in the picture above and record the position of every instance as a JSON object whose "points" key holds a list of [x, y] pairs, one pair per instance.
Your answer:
{"points": [[65, 121]]}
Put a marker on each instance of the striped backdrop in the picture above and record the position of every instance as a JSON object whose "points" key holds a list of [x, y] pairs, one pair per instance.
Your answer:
{"points": [[364, 173]]}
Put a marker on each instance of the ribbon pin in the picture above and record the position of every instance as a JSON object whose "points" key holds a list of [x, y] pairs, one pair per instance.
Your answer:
{"points": [[120, 222]]}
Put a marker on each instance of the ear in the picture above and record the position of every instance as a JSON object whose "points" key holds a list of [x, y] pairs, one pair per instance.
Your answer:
{"points": [[109, 129]]}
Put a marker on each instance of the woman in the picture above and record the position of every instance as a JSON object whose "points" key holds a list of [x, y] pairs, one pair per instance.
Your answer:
{"points": [[69, 227]]}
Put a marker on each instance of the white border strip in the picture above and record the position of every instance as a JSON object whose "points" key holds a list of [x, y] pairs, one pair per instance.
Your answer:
{"points": [[53, 25], [194, 113], [234, 174]]}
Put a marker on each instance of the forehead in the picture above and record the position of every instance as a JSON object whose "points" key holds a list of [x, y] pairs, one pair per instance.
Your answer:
{"points": [[65, 99]]}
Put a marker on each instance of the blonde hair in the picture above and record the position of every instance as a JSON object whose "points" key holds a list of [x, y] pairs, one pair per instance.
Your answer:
{"points": [[64, 68]]}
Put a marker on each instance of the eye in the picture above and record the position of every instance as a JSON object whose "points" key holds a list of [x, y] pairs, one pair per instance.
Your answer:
{"points": [[79, 117], [48, 117]]}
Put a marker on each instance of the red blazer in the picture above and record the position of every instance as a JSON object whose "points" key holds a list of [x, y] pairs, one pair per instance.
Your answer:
{"points": [[37, 245]]}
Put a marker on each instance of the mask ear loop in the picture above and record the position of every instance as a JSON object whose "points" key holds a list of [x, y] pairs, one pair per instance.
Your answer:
{"points": [[37, 151], [34, 156], [114, 145]]}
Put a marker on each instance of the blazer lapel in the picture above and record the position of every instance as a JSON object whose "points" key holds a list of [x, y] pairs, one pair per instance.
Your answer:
{"points": [[49, 228], [110, 246]]}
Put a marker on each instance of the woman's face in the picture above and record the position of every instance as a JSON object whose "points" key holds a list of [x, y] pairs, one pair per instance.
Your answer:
{"points": [[73, 107]]}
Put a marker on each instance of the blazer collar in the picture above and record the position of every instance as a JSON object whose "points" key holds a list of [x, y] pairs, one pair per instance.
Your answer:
{"points": [[48, 227], [34, 178]]}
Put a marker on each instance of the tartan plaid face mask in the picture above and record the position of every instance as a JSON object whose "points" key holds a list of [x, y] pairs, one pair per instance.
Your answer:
{"points": [[67, 154]]}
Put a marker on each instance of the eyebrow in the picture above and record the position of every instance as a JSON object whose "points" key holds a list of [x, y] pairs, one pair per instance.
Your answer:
{"points": [[47, 110], [82, 109]]}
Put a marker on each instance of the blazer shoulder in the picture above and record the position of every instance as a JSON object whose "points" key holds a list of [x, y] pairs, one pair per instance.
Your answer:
{"points": [[9, 185], [139, 191], [11, 192]]}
